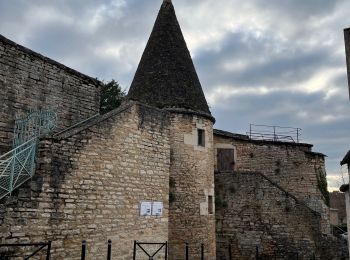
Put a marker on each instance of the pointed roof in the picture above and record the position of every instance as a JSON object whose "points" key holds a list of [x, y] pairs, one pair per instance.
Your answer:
{"points": [[166, 76]]}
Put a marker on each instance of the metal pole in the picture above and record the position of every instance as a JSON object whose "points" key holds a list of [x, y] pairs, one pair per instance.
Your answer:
{"points": [[186, 251], [109, 250], [13, 161], [250, 131], [297, 135], [274, 134], [83, 250], [48, 252], [166, 250], [202, 251], [134, 255], [257, 253], [229, 252]]}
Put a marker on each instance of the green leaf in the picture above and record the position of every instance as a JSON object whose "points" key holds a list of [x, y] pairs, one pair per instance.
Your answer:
{"points": [[112, 96]]}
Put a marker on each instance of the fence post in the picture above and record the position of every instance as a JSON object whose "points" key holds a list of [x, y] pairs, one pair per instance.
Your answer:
{"points": [[109, 250], [202, 251], [83, 250], [186, 252], [166, 250], [48, 252], [13, 161], [134, 255], [229, 252]]}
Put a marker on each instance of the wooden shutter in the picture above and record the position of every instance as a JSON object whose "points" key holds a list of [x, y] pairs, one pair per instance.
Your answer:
{"points": [[225, 160]]}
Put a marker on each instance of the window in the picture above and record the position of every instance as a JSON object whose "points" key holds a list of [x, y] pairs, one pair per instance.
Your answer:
{"points": [[201, 137], [225, 160], [210, 205]]}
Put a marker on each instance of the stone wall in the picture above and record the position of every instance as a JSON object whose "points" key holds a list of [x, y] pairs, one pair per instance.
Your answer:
{"points": [[191, 214], [337, 201], [256, 213], [29, 80], [89, 183], [292, 166]]}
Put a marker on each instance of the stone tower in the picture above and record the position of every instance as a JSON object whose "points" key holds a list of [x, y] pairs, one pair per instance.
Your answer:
{"points": [[166, 78]]}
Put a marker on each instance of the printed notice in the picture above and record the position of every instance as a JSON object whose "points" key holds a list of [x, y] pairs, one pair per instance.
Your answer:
{"points": [[157, 209], [145, 208]]}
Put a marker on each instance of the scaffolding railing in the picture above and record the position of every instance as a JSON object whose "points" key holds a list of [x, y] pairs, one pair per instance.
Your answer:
{"points": [[274, 133]]}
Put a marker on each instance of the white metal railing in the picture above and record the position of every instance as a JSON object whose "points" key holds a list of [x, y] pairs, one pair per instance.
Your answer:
{"points": [[18, 165]]}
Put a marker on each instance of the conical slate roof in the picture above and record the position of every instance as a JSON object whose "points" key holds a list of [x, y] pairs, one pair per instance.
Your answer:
{"points": [[166, 77]]}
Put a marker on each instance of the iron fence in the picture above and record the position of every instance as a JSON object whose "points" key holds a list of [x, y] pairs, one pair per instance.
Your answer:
{"points": [[39, 247], [157, 249], [18, 165], [274, 133]]}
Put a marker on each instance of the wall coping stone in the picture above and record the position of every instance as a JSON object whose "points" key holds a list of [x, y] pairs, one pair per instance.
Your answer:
{"points": [[315, 153], [190, 112], [96, 119], [262, 142]]}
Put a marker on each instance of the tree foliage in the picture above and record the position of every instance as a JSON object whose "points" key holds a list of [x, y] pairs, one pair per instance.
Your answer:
{"points": [[323, 186], [112, 95]]}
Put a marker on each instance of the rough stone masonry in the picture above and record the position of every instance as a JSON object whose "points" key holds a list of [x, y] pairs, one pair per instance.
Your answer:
{"points": [[89, 183], [93, 175], [29, 80]]}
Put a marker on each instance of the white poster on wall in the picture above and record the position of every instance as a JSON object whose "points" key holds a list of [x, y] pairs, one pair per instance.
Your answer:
{"points": [[145, 208], [157, 209]]}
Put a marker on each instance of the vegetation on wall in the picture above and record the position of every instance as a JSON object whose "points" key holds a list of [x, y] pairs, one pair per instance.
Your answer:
{"points": [[172, 197], [172, 184], [220, 203], [322, 186], [112, 96]]}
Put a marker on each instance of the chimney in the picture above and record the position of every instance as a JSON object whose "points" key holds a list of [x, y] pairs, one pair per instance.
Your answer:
{"points": [[347, 51]]}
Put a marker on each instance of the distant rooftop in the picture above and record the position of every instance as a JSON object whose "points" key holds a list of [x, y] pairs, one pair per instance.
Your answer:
{"points": [[346, 159]]}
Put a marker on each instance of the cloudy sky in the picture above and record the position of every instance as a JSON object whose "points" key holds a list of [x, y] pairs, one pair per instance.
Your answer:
{"points": [[275, 62]]}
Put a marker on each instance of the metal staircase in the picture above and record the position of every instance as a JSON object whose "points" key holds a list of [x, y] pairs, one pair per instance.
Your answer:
{"points": [[18, 165]]}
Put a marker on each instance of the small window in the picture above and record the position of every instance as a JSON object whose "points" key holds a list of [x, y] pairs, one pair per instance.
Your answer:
{"points": [[210, 205], [201, 137]]}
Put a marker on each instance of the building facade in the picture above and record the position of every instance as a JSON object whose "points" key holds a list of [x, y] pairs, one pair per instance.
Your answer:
{"points": [[154, 169]]}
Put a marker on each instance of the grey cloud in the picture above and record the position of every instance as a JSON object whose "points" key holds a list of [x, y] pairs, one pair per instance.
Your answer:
{"points": [[298, 9], [291, 64]]}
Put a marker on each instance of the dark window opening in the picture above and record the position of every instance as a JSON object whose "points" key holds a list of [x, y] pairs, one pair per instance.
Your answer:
{"points": [[225, 160], [201, 137], [210, 205]]}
